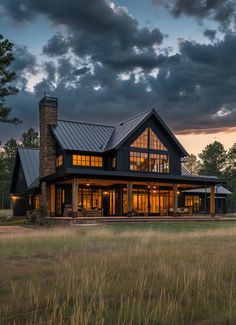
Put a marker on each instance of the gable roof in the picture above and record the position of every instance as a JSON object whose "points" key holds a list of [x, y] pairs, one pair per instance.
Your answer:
{"points": [[29, 159], [82, 136]]}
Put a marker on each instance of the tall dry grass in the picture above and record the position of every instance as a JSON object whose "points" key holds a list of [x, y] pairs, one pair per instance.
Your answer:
{"points": [[97, 276]]}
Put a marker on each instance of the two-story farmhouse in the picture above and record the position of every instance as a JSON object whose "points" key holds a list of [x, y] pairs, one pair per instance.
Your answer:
{"points": [[87, 169]]}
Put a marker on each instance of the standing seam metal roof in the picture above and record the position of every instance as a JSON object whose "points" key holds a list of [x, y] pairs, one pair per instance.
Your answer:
{"points": [[29, 158]]}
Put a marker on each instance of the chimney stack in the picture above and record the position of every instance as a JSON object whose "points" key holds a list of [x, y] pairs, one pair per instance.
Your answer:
{"points": [[48, 115]]}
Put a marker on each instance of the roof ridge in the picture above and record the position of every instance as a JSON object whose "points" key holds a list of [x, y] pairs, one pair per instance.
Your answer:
{"points": [[83, 122], [134, 117], [30, 148]]}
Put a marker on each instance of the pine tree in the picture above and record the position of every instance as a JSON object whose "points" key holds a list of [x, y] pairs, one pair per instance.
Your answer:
{"points": [[30, 138], [6, 77]]}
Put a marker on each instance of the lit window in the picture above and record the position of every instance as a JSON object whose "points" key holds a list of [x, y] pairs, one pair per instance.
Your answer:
{"points": [[113, 162], [96, 161], [148, 140], [59, 161], [138, 161], [193, 201], [89, 161], [142, 161], [158, 163], [141, 141], [155, 142], [36, 202]]}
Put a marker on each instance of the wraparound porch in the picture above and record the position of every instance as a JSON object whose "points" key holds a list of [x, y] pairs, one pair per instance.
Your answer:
{"points": [[96, 198]]}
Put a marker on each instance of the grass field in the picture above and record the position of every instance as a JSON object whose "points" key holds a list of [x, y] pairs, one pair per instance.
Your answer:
{"points": [[165, 274]]}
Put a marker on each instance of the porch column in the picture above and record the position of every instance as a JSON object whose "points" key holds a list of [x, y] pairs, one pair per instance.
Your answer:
{"points": [[212, 201], [175, 191], [130, 197], [74, 197]]}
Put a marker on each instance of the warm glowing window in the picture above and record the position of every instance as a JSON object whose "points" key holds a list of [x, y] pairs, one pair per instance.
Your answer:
{"points": [[154, 142], [148, 140], [113, 162], [142, 161], [36, 202], [141, 141], [158, 163], [193, 201], [138, 161], [59, 161], [89, 161], [96, 161]]}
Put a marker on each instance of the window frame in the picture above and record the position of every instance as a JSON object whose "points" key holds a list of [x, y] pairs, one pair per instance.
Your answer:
{"points": [[87, 161]]}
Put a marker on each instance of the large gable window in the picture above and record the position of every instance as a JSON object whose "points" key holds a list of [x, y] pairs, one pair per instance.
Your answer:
{"points": [[148, 140], [152, 156]]}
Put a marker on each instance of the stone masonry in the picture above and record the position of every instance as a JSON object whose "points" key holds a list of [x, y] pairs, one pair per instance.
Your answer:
{"points": [[48, 115]]}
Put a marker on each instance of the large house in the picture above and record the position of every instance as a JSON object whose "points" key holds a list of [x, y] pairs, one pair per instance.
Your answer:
{"points": [[88, 169]]}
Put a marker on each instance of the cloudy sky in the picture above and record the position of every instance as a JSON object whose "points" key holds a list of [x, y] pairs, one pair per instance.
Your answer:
{"points": [[106, 61]]}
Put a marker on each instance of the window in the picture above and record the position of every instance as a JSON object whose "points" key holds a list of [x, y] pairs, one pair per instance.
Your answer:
{"points": [[143, 161], [138, 161], [113, 162], [193, 201], [148, 140], [89, 161], [59, 161], [154, 142], [141, 141], [158, 163], [36, 202]]}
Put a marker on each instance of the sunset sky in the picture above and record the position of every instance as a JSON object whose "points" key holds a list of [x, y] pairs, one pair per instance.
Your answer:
{"points": [[107, 61]]}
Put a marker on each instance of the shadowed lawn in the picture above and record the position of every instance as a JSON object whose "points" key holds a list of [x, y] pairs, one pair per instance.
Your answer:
{"points": [[119, 275]]}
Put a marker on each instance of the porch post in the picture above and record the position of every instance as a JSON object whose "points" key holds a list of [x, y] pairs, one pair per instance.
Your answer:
{"points": [[212, 201], [130, 197], [74, 197], [175, 190]]}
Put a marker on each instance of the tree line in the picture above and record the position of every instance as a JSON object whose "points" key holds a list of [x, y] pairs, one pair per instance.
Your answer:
{"points": [[28, 139], [214, 160]]}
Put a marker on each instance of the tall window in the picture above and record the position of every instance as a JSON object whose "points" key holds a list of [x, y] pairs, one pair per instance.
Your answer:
{"points": [[88, 161], [59, 161], [148, 160]]}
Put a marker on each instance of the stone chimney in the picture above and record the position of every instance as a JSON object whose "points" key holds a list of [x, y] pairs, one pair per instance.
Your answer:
{"points": [[47, 117]]}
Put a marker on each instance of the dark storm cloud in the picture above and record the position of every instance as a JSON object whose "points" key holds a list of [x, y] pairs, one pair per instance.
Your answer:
{"points": [[221, 11], [101, 68], [210, 34]]}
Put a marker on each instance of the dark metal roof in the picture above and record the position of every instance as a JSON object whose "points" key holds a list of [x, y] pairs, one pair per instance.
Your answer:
{"points": [[82, 136], [123, 129], [29, 158]]}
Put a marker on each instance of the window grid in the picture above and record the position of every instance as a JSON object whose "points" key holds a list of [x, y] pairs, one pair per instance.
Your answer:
{"points": [[59, 161], [142, 161], [154, 142], [141, 141], [88, 161]]}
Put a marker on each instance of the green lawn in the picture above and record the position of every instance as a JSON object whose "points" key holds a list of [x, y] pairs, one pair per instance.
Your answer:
{"points": [[182, 273]]}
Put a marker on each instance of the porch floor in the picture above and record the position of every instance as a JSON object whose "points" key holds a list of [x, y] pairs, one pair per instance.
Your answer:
{"points": [[141, 219]]}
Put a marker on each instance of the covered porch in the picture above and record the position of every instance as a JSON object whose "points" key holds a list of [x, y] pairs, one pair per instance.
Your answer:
{"points": [[98, 198]]}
